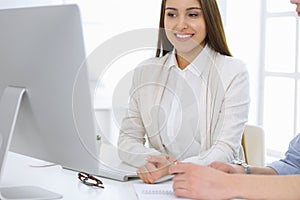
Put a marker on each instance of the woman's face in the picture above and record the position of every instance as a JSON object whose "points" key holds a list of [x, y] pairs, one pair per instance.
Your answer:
{"points": [[185, 25]]}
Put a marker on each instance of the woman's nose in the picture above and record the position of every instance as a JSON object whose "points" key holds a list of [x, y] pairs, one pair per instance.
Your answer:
{"points": [[182, 23]]}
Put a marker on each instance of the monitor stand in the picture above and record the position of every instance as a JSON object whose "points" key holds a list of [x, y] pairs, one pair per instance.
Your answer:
{"points": [[9, 108], [27, 193]]}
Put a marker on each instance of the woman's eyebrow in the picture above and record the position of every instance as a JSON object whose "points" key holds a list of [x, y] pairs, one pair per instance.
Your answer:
{"points": [[191, 8], [170, 8]]}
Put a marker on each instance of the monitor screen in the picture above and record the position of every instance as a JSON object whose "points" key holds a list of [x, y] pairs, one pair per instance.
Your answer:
{"points": [[42, 50]]}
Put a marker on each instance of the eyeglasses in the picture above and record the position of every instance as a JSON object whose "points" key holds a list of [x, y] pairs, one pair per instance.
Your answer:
{"points": [[90, 180]]}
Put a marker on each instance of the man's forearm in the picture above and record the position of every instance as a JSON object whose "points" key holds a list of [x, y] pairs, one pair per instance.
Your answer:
{"points": [[264, 187], [262, 170], [254, 170]]}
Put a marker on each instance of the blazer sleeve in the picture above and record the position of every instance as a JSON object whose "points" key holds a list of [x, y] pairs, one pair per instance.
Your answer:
{"points": [[228, 120], [131, 142]]}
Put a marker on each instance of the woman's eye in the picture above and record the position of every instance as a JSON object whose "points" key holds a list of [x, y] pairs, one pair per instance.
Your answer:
{"points": [[171, 15], [193, 14]]}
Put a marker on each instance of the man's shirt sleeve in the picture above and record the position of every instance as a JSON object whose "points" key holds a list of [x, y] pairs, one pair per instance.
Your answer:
{"points": [[291, 163]]}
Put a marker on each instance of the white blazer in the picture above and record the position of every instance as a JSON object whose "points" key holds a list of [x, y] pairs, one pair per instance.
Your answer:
{"points": [[223, 111]]}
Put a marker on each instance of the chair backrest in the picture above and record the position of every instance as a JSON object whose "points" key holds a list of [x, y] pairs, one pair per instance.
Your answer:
{"points": [[253, 143]]}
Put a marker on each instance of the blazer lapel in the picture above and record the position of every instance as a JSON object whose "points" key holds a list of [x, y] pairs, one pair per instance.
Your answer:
{"points": [[160, 79]]}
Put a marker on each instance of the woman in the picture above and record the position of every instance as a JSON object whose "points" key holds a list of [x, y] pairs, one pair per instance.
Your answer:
{"points": [[191, 101]]}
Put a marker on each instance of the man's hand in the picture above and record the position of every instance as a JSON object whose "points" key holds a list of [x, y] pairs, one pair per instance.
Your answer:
{"points": [[199, 182]]}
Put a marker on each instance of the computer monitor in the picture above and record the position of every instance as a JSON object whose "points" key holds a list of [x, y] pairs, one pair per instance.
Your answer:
{"points": [[42, 52]]}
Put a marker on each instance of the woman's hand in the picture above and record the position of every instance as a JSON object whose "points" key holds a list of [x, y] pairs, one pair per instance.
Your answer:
{"points": [[156, 167]]}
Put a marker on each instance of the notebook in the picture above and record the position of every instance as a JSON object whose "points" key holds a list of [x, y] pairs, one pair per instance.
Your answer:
{"points": [[163, 191]]}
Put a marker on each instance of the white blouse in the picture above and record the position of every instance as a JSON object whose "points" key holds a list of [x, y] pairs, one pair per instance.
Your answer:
{"points": [[181, 94]]}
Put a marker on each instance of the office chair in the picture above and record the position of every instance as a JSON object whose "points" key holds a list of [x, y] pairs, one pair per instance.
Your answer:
{"points": [[253, 142]]}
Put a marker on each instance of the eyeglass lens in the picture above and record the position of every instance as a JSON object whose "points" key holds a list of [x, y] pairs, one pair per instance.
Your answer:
{"points": [[90, 180]]}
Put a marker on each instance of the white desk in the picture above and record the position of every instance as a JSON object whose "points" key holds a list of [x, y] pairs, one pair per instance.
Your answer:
{"points": [[19, 172]]}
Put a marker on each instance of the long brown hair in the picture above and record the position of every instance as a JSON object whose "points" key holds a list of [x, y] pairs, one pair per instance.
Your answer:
{"points": [[215, 32]]}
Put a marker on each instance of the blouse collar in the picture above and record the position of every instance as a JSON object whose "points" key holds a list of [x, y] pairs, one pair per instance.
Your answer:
{"points": [[204, 59]]}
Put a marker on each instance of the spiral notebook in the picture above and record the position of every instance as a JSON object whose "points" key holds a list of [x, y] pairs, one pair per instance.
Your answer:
{"points": [[155, 191]]}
